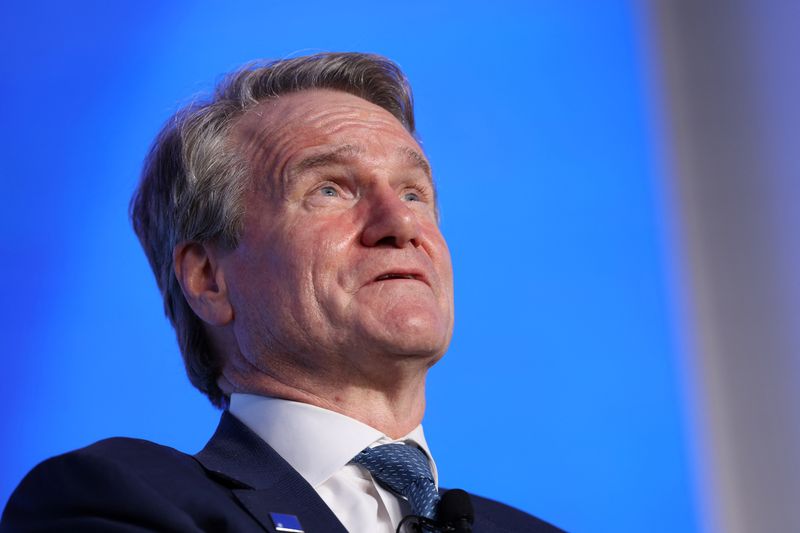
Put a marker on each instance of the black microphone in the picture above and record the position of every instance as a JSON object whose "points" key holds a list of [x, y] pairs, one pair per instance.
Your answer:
{"points": [[455, 512]]}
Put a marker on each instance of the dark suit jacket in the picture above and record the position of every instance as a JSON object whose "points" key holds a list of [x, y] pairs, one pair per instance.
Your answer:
{"points": [[233, 484]]}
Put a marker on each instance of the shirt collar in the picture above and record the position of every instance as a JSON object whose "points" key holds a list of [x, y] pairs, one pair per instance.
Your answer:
{"points": [[314, 441]]}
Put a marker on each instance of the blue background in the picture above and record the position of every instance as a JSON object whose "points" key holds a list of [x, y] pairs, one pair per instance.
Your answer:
{"points": [[562, 392]]}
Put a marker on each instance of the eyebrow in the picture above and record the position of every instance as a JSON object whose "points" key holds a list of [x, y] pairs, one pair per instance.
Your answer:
{"points": [[345, 152], [339, 154], [417, 159]]}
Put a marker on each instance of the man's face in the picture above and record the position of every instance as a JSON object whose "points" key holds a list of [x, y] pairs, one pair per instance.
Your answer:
{"points": [[341, 263]]}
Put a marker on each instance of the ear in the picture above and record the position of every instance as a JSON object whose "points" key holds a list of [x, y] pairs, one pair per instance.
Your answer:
{"points": [[201, 278]]}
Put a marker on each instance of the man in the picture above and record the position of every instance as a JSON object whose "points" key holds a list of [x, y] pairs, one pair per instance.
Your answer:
{"points": [[291, 222]]}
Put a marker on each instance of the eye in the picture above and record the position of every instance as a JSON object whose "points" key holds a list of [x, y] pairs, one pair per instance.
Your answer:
{"points": [[416, 192], [329, 191]]}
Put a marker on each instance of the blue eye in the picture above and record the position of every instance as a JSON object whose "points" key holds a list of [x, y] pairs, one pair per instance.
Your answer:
{"points": [[411, 197], [329, 191]]}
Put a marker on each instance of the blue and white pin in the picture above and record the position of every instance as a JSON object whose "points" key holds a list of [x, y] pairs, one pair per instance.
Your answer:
{"points": [[286, 523]]}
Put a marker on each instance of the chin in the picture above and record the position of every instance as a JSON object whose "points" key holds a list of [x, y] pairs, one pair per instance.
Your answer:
{"points": [[426, 338]]}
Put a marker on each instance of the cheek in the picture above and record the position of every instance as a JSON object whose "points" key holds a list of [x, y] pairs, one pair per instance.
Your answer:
{"points": [[331, 279], [444, 259], [444, 269], [262, 272], [312, 272], [440, 255], [323, 249]]}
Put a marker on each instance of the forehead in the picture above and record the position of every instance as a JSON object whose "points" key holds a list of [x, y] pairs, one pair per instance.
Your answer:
{"points": [[279, 128]]}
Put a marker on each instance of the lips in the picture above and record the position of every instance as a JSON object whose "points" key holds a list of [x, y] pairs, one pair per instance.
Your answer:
{"points": [[384, 277], [401, 274]]}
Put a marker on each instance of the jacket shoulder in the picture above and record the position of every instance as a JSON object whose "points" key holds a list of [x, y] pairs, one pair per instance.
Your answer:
{"points": [[117, 484], [491, 515], [142, 457], [139, 462]]}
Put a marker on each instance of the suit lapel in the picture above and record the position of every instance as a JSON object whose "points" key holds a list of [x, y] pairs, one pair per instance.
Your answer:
{"points": [[264, 481]]}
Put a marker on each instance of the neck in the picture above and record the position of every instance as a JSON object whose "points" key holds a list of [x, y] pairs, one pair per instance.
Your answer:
{"points": [[393, 408]]}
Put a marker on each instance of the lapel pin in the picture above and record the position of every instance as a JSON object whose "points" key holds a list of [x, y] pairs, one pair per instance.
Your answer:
{"points": [[286, 523]]}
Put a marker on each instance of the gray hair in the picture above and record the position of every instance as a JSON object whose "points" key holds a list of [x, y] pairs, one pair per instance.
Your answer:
{"points": [[192, 183]]}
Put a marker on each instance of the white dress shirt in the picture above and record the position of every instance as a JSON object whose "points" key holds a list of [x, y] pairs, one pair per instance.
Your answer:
{"points": [[319, 444]]}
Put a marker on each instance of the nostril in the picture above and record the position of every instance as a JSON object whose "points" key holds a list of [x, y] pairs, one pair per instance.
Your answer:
{"points": [[389, 241]]}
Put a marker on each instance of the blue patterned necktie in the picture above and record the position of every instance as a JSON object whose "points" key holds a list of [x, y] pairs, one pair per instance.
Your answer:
{"points": [[404, 470]]}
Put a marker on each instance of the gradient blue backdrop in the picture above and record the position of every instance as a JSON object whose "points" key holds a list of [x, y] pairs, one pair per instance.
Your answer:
{"points": [[535, 118]]}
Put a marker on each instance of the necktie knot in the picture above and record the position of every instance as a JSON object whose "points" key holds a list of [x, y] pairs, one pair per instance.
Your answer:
{"points": [[404, 470]]}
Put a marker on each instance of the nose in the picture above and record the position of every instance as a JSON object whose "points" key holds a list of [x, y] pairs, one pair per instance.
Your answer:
{"points": [[390, 222]]}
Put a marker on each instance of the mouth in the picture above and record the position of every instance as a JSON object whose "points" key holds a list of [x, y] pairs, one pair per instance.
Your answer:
{"points": [[400, 275]]}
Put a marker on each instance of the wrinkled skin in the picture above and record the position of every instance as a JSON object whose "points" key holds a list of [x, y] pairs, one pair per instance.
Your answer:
{"points": [[340, 290]]}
